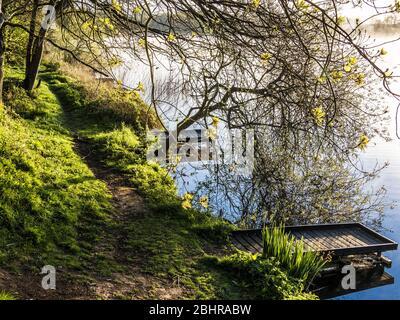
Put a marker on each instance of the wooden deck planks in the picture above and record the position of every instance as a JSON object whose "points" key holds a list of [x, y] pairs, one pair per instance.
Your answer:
{"points": [[349, 240], [307, 240], [245, 242], [336, 238], [334, 241], [363, 236], [317, 242], [320, 238]]}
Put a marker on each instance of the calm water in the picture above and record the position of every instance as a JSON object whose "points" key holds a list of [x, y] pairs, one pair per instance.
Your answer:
{"points": [[389, 177]]}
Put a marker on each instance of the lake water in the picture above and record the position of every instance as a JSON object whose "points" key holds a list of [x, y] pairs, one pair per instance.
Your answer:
{"points": [[389, 177]]}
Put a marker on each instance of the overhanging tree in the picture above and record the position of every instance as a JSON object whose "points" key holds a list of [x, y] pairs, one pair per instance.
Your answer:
{"points": [[296, 70]]}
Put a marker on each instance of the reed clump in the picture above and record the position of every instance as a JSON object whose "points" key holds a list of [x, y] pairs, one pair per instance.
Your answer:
{"points": [[291, 253]]}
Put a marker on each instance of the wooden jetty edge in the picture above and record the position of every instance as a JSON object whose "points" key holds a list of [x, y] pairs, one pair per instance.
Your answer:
{"points": [[338, 239]]}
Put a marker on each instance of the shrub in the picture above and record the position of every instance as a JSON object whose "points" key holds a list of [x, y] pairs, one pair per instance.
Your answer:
{"points": [[16, 45], [53, 66], [264, 277]]}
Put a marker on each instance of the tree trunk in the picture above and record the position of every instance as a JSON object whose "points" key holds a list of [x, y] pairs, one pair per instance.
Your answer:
{"points": [[36, 51], [1, 78], [2, 51], [29, 47], [36, 58]]}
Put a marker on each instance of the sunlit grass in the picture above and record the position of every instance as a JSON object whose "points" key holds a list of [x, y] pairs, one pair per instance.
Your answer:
{"points": [[45, 187]]}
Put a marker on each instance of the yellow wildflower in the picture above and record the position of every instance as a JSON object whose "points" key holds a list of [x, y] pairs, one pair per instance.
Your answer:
{"points": [[171, 37], [87, 25], [301, 4], [116, 5], [204, 202], [359, 78], [188, 196], [321, 79], [186, 205], [353, 61], [212, 133], [347, 67], [340, 20], [187, 201], [363, 142], [215, 121], [337, 75], [256, 3], [383, 52], [137, 10], [133, 93], [388, 73], [319, 115], [265, 57], [142, 42], [115, 61], [140, 87]]}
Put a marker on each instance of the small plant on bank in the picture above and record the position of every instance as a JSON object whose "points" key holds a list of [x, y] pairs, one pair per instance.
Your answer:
{"points": [[291, 253], [264, 278], [6, 296]]}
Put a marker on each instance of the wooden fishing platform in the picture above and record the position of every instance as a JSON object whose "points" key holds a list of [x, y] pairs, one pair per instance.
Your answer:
{"points": [[338, 239], [346, 243]]}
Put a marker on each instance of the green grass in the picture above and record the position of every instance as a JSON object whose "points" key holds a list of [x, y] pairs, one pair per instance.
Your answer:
{"points": [[46, 190], [168, 241], [170, 247], [117, 142]]}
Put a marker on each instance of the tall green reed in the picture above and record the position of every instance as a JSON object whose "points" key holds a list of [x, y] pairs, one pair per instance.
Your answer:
{"points": [[291, 253]]}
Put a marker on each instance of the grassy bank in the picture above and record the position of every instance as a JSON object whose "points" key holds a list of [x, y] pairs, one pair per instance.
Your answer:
{"points": [[53, 207], [168, 241], [46, 189]]}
